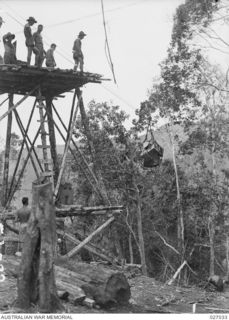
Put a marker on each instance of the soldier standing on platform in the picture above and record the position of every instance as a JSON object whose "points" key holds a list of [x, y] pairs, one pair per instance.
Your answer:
{"points": [[29, 41], [77, 52], [38, 41], [10, 52], [50, 60]]}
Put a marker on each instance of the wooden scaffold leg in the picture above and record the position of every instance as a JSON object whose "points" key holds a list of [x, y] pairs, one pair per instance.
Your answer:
{"points": [[7, 154], [52, 139]]}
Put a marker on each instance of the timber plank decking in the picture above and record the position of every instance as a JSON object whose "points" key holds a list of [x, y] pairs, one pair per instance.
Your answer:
{"points": [[20, 79]]}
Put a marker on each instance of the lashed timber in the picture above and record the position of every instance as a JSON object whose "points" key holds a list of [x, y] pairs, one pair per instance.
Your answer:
{"points": [[20, 79], [5, 186], [90, 237], [52, 138], [70, 132], [88, 247], [73, 210]]}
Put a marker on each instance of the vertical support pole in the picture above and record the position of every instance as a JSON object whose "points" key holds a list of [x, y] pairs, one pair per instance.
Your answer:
{"points": [[66, 149], [52, 139], [7, 154], [43, 132]]}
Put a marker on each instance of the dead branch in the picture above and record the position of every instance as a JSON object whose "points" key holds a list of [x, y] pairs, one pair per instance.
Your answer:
{"points": [[191, 270], [166, 243], [177, 272]]}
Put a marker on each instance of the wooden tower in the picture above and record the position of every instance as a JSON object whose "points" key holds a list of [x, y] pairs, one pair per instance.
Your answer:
{"points": [[45, 86]]}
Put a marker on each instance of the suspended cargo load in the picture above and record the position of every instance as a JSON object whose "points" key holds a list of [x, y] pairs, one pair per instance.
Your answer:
{"points": [[152, 153]]}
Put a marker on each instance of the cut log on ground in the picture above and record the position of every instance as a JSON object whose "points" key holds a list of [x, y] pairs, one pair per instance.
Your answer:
{"points": [[81, 280], [103, 285]]}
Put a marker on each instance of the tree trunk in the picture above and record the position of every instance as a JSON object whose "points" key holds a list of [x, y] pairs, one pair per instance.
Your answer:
{"points": [[180, 224], [227, 256], [140, 232], [131, 249], [213, 214], [211, 230], [36, 282]]}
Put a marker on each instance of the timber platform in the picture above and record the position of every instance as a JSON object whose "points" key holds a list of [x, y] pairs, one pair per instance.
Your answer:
{"points": [[21, 79]]}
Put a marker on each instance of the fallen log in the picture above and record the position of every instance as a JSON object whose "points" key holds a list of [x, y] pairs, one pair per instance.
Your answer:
{"points": [[62, 294], [177, 272], [103, 285], [80, 280], [74, 293]]}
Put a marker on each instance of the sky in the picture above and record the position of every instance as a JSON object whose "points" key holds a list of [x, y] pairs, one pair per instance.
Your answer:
{"points": [[138, 32]]}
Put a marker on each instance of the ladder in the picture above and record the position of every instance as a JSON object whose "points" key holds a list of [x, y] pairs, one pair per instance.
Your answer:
{"points": [[48, 173]]}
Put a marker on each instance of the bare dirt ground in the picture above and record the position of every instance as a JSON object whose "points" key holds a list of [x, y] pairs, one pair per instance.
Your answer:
{"points": [[147, 296]]}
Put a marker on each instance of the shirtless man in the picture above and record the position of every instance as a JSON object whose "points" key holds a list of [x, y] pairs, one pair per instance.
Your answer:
{"points": [[22, 216]]}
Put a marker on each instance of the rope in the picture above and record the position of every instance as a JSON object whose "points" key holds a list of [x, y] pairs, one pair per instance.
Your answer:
{"points": [[109, 59]]}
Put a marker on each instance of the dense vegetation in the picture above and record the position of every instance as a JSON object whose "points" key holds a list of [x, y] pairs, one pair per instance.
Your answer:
{"points": [[177, 211]]}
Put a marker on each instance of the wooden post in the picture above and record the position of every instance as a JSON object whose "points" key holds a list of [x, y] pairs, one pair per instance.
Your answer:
{"points": [[52, 139], [7, 154], [36, 281], [89, 238], [66, 151], [43, 132]]}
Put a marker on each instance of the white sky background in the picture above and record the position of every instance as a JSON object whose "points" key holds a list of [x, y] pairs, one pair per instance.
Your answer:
{"points": [[139, 33]]}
